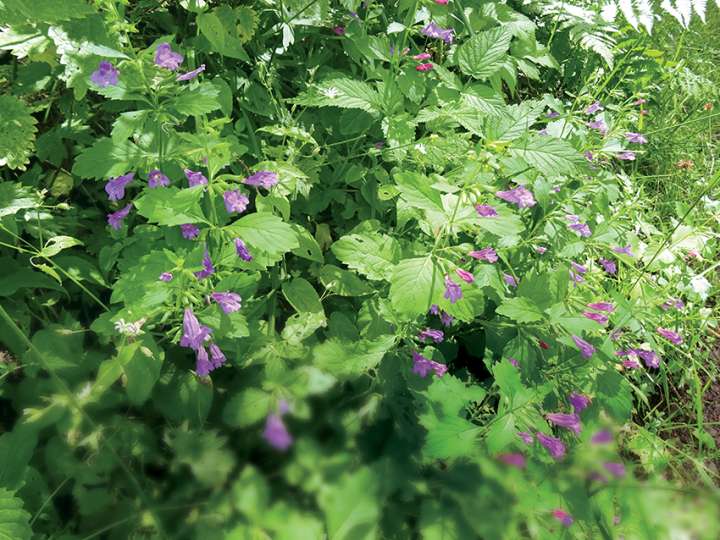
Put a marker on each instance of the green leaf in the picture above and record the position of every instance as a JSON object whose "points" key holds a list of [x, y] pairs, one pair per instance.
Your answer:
{"points": [[351, 506], [56, 244], [415, 284], [18, 127], [483, 54], [515, 123], [309, 248], [142, 371], [247, 407], [172, 206], [372, 254], [343, 93], [506, 223], [264, 231], [16, 450], [343, 282], [106, 158], [14, 520], [417, 191], [549, 155], [15, 197], [350, 359], [202, 99], [520, 309], [302, 296]]}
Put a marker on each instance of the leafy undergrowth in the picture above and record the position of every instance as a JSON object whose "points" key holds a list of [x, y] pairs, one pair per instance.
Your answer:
{"points": [[347, 270]]}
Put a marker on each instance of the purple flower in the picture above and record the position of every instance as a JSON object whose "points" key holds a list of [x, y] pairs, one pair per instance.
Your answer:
{"points": [[631, 363], [208, 268], [485, 210], [510, 280], [543, 132], [235, 201], [602, 306], [263, 179], [526, 437], [422, 56], [563, 517], [602, 437], [586, 349], [514, 362], [553, 445], [115, 219], [595, 107], [467, 277], [598, 125], [434, 309], [203, 367], [519, 195], [191, 74], [673, 302], [581, 228], [156, 179], [194, 333], [578, 268], [217, 358], [514, 459], [453, 292], [640, 101], [195, 178], [276, 434], [189, 231], [339, 30], [572, 218], [432, 30], [540, 249], [424, 67], [626, 156], [166, 276], [429, 333], [105, 75], [637, 138], [446, 319], [597, 317], [552, 114], [166, 58], [616, 469], [485, 254], [422, 366], [242, 250], [627, 250], [588, 155], [609, 265], [672, 337], [229, 302], [579, 402], [576, 274], [568, 421], [115, 188]]}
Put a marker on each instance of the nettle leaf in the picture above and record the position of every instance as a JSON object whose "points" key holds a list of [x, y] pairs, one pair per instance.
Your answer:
{"points": [[351, 358], [549, 155], [14, 520], [302, 296], [343, 93], [483, 54], [351, 506], [520, 309], [247, 407], [220, 29], [172, 206], [417, 191], [515, 123], [18, 128], [371, 254], [16, 197], [507, 223], [202, 99], [343, 282], [107, 158], [264, 231], [415, 285]]}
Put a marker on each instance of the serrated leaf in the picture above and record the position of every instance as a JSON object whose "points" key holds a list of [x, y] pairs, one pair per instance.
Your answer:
{"points": [[343, 282], [202, 99], [549, 155], [371, 254], [14, 520], [515, 123], [264, 231], [343, 93], [107, 158], [482, 55], [56, 244], [15, 197], [18, 128], [415, 285], [302, 296], [350, 359], [520, 309], [171, 206]]}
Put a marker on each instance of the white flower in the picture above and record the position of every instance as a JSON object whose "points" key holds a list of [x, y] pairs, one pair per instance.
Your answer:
{"points": [[701, 286], [421, 148], [331, 92], [129, 329]]}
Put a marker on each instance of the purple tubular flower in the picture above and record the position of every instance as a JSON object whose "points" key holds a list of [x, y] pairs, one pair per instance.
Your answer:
{"points": [[552, 114], [485, 254], [105, 75], [602, 306], [636, 138], [157, 179], [614, 468], [189, 231], [235, 201], [432, 30], [166, 58], [485, 210], [217, 358], [115, 187], [540, 249], [581, 228], [631, 363], [673, 302], [599, 125], [263, 179], [568, 421], [579, 402], [672, 337], [588, 155], [339, 30], [434, 309], [229, 302], [543, 132], [276, 434], [429, 333], [526, 437], [650, 358], [586, 349], [578, 268], [467, 277], [563, 517], [191, 74], [166, 276], [626, 156], [510, 280], [627, 250], [195, 178], [194, 333], [115, 219], [422, 56], [446, 319], [609, 266], [422, 366], [595, 107], [553, 445], [203, 367], [242, 250], [208, 268], [514, 459], [453, 292], [597, 317], [602, 437], [514, 362], [520, 196]]}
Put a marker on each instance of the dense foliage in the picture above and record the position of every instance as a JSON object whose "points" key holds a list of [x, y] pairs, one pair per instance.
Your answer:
{"points": [[312, 269]]}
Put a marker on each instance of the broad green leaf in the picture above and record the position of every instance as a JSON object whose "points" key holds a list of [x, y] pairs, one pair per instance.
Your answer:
{"points": [[372, 254], [142, 371], [482, 54], [520, 309], [17, 125], [515, 123], [343, 282], [264, 231], [506, 223], [417, 191], [15, 197], [350, 359], [351, 506], [14, 520], [56, 244], [343, 93], [308, 248], [549, 155], [415, 285], [302, 296], [107, 158], [172, 206], [247, 407], [199, 100], [16, 450]]}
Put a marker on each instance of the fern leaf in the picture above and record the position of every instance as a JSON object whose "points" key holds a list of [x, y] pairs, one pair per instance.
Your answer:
{"points": [[700, 7], [627, 9], [645, 14]]}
